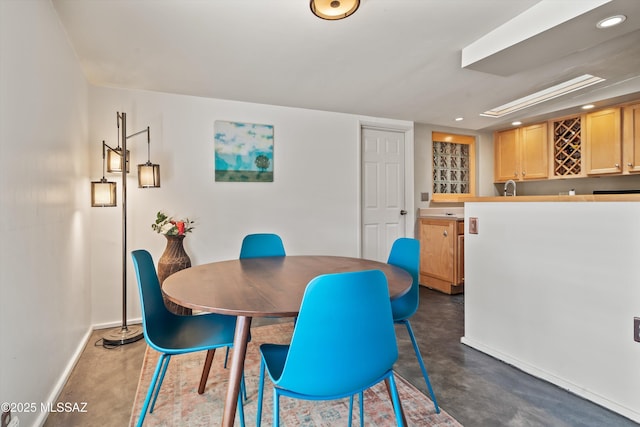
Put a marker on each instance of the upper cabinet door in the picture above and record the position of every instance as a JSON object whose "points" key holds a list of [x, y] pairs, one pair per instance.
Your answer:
{"points": [[604, 142], [632, 139], [507, 155], [521, 153], [534, 157]]}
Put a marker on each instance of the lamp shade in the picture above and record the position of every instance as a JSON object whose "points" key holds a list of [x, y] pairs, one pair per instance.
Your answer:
{"points": [[103, 193], [334, 9], [148, 175], [114, 159]]}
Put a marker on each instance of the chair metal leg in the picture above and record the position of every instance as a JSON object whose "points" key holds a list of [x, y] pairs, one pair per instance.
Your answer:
{"points": [[243, 388], [206, 369], [390, 393], [421, 362], [395, 398], [260, 394], [150, 392], [167, 359], [360, 405], [276, 408], [226, 358], [241, 411]]}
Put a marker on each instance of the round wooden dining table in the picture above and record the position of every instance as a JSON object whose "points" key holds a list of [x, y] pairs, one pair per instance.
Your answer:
{"points": [[262, 287]]}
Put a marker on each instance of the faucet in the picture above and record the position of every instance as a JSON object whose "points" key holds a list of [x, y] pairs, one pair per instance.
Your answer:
{"points": [[506, 186]]}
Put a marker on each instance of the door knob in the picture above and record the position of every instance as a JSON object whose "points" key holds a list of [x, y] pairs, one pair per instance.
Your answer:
{"points": [[403, 212]]}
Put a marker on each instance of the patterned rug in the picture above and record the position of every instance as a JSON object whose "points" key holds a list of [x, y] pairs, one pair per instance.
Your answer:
{"points": [[179, 403]]}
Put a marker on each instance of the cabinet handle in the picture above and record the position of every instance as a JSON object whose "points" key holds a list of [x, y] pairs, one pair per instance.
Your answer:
{"points": [[524, 173], [445, 234], [617, 166], [515, 173], [630, 164]]}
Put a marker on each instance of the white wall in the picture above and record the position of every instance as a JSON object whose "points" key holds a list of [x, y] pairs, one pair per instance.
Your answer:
{"points": [[44, 251], [553, 288], [313, 202], [60, 272]]}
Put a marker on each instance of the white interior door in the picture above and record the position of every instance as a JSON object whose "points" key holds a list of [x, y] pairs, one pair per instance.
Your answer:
{"points": [[383, 192]]}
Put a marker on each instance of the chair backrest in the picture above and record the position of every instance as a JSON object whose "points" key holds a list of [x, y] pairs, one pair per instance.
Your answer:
{"points": [[260, 245], [405, 253], [344, 338], [155, 316]]}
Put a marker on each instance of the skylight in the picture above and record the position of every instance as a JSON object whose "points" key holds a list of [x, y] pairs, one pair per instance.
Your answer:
{"points": [[543, 95]]}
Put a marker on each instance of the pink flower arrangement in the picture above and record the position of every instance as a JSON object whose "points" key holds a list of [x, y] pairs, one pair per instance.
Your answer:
{"points": [[171, 227]]}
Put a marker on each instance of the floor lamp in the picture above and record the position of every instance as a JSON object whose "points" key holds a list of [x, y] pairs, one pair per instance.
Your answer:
{"points": [[103, 194]]}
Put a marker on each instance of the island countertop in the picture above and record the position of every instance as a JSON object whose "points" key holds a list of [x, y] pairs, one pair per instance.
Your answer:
{"points": [[561, 198]]}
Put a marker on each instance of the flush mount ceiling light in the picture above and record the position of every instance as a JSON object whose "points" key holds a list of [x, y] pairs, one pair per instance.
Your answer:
{"points": [[334, 9], [611, 21], [543, 95]]}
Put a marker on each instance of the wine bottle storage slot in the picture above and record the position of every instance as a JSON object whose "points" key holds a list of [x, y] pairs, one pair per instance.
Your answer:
{"points": [[567, 146]]}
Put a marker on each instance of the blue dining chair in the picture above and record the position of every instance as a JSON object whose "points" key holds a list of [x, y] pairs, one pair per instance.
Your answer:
{"points": [[261, 245], [405, 253], [253, 246], [343, 343], [172, 334]]}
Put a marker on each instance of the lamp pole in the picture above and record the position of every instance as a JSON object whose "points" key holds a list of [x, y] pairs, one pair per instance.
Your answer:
{"points": [[126, 335]]}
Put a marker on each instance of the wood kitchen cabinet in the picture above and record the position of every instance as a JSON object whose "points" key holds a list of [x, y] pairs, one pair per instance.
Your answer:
{"points": [[603, 140], [442, 254], [599, 143], [521, 153], [631, 139]]}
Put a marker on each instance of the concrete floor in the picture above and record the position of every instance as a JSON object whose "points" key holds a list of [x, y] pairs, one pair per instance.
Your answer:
{"points": [[474, 388]]}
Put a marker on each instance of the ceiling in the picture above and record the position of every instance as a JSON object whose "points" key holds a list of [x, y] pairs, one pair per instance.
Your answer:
{"points": [[397, 59]]}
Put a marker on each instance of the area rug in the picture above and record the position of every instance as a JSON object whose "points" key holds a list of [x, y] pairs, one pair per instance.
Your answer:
{"points": [[179, 403]]}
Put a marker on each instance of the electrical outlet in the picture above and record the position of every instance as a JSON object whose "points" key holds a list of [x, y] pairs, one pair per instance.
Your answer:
{"points": [[473, 225], [424, 197], [636, 329]]}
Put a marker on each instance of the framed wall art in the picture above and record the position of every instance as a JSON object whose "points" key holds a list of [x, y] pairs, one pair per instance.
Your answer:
{"points": [[243, 152]]}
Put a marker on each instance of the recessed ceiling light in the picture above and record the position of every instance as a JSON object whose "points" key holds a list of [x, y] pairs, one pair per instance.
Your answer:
{"points": [[611, 21], [516, 123], [588, 106], [459, 119], [543, 95]]}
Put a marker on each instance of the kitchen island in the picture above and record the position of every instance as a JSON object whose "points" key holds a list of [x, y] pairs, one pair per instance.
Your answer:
{"points": [[552, 286]]}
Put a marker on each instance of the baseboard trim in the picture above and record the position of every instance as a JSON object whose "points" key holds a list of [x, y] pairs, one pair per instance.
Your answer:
{"points": [[62, 380], [64, 376], [108, 325], [537, 372]]}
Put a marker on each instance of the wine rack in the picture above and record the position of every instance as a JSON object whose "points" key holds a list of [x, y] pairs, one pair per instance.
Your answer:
{"points": [[567, 147]]}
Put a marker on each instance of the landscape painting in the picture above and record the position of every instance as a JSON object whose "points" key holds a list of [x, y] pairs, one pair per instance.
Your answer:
{"points": [[243, 152]]}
